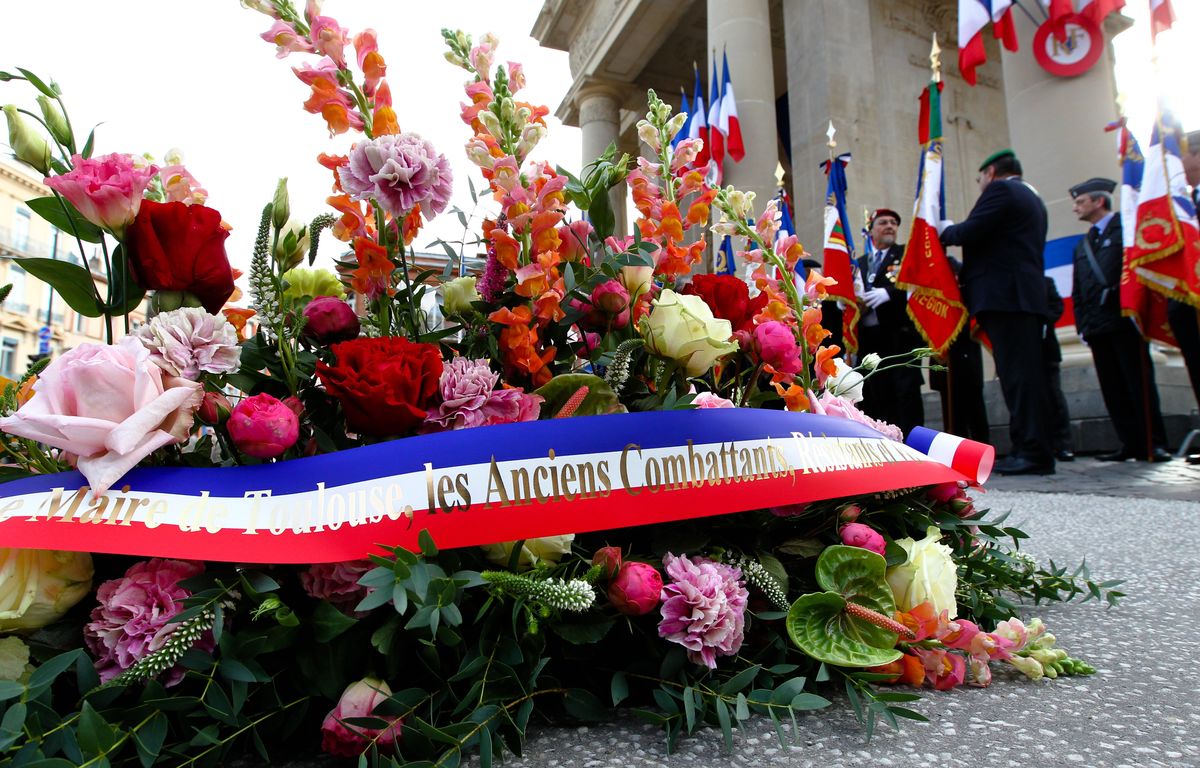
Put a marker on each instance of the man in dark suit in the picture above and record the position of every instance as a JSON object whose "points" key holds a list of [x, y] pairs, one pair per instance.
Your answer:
{"points": [[1121, 356], [1060, 416], [1183, 317], [892, 395], [1003, 284]]}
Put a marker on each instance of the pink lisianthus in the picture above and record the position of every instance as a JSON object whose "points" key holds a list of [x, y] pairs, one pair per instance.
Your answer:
{"points": [[337, 583], [284, 36], [110, 405], [400, 173], [636, 589], [132, 618], [188, 342], [106, 190], [703, 608], [864, 537], [833, 405], [777, 347], [711, 400], [470, 400], [359, 700]]}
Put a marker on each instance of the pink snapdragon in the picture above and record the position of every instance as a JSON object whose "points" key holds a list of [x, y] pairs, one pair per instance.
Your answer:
{"points": [[133, 618], [106, 190], [574, 238], [329, 39], [704, 608], [287, 41]]}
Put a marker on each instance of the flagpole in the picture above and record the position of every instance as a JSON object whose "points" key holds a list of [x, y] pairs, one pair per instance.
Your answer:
{"points": [[935, 64]]}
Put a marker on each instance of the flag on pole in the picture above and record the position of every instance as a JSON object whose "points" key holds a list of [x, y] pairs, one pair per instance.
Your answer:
{"points": [[838, 251], [1166, 235], [730, 126], [934, 301], [1099, 10], [1162, 16], [716, 143], [698, 123], [1059, 11], [973, 16], [687, 109], [1002, 24], [1147, 308]]}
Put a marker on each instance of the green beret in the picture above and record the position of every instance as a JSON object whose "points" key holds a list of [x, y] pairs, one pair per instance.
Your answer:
{"points": [[996, 156]]}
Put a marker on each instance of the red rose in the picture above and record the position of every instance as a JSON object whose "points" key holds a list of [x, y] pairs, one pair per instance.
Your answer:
{"points": [[178, 247], [385, 385], [728, 298]]}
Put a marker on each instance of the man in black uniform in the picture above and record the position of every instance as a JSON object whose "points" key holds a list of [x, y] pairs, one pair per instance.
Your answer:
{"points": [[1003, 284], [892, 395], [1184, 318], [1121, 356]]}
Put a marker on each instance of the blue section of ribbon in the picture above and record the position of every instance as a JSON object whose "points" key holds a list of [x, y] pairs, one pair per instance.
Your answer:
{"points": [[920, 438], [508, 442]]}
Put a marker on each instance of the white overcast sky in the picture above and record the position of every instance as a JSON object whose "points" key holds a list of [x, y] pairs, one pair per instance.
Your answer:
{"points": [[194, 75]]}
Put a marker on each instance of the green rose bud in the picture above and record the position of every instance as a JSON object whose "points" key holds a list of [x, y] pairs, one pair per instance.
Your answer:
{"points": [[28, 144], [301, 283], [280, 207]]}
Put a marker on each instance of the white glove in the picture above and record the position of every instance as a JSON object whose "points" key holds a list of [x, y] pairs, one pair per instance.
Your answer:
{"points": [[875, 297]]}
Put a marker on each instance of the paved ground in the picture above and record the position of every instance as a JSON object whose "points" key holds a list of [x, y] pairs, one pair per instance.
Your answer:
{"points": [[1132, 521]]}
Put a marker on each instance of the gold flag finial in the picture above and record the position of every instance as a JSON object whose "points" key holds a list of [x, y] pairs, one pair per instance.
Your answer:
{"points": [[779, 174], [935, 59]]}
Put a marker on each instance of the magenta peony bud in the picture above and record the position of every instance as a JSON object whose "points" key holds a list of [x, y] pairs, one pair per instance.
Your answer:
{"points": [[330, 320], [611, 297], [777, 347], [214, 409], [636, 589], [609, 560], [864, 536], [849, 513], [263, 427]]}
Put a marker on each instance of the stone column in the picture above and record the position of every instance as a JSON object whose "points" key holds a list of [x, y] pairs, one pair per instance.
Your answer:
{"points": [[742, 28], [600, 123]]}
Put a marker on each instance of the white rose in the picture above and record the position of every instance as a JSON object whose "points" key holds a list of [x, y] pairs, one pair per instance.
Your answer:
{"points": [[37, 586], [929, 574], [847, 382], [683, 329]]}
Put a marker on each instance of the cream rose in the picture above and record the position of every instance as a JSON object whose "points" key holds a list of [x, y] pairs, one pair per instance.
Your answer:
{"points": [[929, 573], [683, 329], [458, 294], [37, 586], [548, 548]]}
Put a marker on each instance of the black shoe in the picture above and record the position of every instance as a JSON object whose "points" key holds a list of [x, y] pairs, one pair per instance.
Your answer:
{"points": [[1019, 465], [1159, 455], [1121, 455], [1065, 456]]}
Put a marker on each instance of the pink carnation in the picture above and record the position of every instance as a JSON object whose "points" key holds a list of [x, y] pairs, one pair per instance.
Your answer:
{"points": [[833, 405], [400, 172], [470, 400], [703, 608], [132, 618], [337, 583], [188, 341]]}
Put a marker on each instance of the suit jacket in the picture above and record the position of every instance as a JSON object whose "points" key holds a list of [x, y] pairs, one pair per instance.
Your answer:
{"points": [[1002, 241], [896, 330], [1098, 311]]}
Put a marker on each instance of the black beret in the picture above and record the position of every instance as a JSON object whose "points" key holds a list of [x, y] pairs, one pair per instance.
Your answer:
{"points": [[1093, 186]]}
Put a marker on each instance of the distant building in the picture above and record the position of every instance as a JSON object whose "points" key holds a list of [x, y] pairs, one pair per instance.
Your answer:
{"points": [[32, 304]]}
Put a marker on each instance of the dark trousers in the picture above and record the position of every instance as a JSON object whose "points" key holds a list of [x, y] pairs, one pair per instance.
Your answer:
{"points": [[964, 412], [893, 395], [1017, 348], [1185, 324], [1126, 376], [1060, 420]]}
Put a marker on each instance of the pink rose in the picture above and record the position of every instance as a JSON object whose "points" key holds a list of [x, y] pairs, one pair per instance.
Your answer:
{"points": [[849, 513], [263, 427], [636, 589], [711, 400], [330, 320], [214, 409], [777, 347], [864, 536], [110, 405], [337, 583], [359, 700], [106, 190], [612, 298], [609, 560]]}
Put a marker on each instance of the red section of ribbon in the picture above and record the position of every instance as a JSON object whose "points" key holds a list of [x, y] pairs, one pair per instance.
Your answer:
{"points": [[475, 525]]}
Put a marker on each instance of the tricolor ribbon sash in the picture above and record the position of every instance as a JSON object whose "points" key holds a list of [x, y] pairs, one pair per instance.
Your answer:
{"points": [[973, 459], [470, 487]]}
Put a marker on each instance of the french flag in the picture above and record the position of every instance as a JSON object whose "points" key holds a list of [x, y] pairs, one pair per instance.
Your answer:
{"points": [[730, 126], [685, 108], [1059, 263], [973, 16], [716, 140], [1059, 11], [1098, 10], [698, 123], [967, 457], [1162, 16], [1002, 24]]}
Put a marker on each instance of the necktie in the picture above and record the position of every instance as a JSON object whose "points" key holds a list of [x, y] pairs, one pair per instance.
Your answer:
{"points": [[876, 260]]}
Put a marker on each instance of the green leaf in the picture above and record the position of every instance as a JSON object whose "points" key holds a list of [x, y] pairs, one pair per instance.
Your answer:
{"points": [[583, 632], [10, 689], [582, 704], [328, 622], [149, 739], [739, 681], [36, 82], [64, 216], [89, 145], [619, 688], [44, 675], [600, 397], [425, 539], [726, 726], [234, 670], [743, 709], [13, 723], [689, 708], [72, 282], [126, 294], [94, 732]]}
